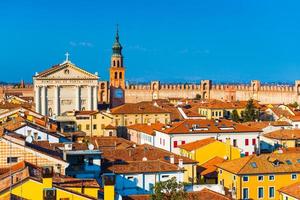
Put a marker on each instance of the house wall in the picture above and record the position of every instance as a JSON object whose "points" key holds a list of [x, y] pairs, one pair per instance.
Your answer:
{"points": [[281, 180]]}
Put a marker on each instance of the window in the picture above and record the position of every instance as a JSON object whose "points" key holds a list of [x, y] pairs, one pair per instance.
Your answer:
{"points": [[12, 159], [245, 193], [165, 176], [253, 141], [246, 153], [246, 142], [294, 176], [182, 142], [245, 178], [159, 140], [87, 127], [288, 162], [91, 161], [94, 116], [234, 143], [253, 164], [175, 144], [271, 178], [234, 177], [271, 192], [79, 127], [120, 75], [260, 192], [130, 177], [95, 126], [260, 178], [220, 171], [116, 75]]}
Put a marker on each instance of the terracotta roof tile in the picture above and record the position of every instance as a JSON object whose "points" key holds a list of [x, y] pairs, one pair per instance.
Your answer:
{"points": [[146, 128], [292, 190], [284, 134], [197, 144], [138, 108], [263, 164], [207, 126]]}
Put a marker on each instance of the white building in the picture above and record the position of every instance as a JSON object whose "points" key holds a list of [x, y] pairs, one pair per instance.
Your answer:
{"points": [[189, 130], [65, 87]]}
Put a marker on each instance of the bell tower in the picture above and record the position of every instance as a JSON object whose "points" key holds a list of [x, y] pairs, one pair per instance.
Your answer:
{"points": [[117, 74]]}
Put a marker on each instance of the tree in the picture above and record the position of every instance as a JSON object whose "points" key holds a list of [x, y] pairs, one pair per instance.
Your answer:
{"points": [[169, 190], [198, 97], [235, 116], [294, 105], [250, 113]]}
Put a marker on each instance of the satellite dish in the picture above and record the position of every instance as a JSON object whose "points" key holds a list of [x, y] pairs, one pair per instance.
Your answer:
{"points": [[91, 147], [29, 139]]}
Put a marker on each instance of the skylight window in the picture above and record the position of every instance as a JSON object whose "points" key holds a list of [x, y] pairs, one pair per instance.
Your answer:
{"points": [[253, 164], [298, 160], [288, 162]]}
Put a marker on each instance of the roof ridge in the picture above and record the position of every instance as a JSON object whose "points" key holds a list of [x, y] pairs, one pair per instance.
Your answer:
{"points": [[250, 158]]}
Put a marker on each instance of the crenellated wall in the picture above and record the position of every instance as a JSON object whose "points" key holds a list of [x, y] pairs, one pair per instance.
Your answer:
{"points": [[274, 94]]}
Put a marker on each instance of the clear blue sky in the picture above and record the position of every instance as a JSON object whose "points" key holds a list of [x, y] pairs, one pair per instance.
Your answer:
{"points": [[222, 40]]}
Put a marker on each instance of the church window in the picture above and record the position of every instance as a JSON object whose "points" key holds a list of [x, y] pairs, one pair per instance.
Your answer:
{"points": [[67, 71], [114, 63], [118, 63], [116, 75], [120, 75]]}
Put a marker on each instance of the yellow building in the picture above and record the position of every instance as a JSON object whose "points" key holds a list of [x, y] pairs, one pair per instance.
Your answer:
{"points": [[207, 153], [217, 109], [259, 177], [140, 113], [93, 123], [30, 182]]}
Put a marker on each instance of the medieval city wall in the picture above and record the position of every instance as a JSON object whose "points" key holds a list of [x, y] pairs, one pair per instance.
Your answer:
{"points": [[274, 94]]}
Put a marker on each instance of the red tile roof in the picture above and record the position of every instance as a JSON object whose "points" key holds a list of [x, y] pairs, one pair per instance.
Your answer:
{"points": [[189, 126], [138, 108], [146, 128], [292, 190], [284, 134], [197, 144]]}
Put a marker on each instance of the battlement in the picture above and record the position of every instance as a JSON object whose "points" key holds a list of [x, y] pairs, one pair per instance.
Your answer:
{"points": [[206, 85]]}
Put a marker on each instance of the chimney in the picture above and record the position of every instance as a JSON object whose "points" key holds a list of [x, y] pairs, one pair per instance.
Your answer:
{"points": [[172, 159], [228, 148], [180, 163], [109, 186]]}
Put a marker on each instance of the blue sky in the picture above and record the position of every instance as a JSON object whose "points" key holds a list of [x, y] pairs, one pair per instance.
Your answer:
{"points": [[222, 40]]}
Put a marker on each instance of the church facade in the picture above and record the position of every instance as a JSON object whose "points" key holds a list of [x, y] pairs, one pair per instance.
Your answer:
{"points": [[65, 87]]}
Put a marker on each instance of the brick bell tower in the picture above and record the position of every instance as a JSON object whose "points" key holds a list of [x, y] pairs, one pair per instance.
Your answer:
{"points": [[117, 74]]}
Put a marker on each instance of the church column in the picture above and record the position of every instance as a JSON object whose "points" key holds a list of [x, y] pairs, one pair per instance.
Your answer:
{"points": [[95, 98], [44, 100], [89, 89], [57, 100], [78, 98], [37, 99]]}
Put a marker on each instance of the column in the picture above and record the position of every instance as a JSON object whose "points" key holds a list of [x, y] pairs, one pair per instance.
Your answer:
{"points": [[95, 98], [57, 100], [78, 98], [37, 99], [89, 100], [44, 100]]}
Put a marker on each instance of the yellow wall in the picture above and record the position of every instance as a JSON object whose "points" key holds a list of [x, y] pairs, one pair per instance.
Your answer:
{"points": [[212, 150], [109, 192], [100, 120], [210, 113], [32, 189], [130, 119], [281, 180], [188, 173]]}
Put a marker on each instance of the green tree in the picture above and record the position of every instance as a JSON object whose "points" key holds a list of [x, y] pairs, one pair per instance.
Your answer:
{"points": [[169, 190], [250, 113], [198, 97], [294, 105], [235, 116]]}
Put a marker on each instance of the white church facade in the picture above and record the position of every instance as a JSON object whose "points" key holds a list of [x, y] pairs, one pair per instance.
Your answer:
{"points": [[65, 87]]}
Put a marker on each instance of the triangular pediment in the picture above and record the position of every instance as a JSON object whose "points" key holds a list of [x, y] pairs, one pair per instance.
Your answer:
{"points": [[66, 71]]}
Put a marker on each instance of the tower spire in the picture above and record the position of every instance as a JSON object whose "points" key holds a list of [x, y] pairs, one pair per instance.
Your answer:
{"points": [[117, 47]]}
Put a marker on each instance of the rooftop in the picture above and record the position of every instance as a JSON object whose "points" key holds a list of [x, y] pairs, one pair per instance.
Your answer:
{"points": [[264, 164], [284, 134]]}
